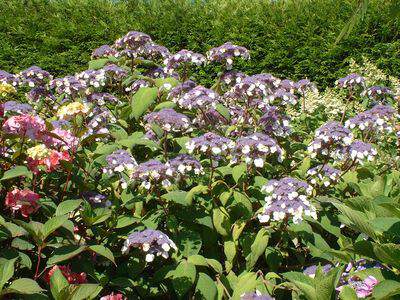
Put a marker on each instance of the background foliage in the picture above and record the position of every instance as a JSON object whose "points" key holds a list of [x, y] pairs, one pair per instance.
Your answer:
{"points": [[294, 39]]}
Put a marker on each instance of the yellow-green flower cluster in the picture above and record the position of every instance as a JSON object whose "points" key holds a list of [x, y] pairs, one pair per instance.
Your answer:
{"points": [[6, 89], [68, 111], [38, 152]]}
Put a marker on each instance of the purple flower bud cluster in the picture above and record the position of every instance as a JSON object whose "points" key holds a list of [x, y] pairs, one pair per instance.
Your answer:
{"points": [[181, 89], [102, 98], [168, 119], [199, 98], [226, 53], [136, 85], [33, 77], [119, 161], [104, 51], [209, 117], [255, 296], [132, 40], [377, 92], [255, 148], [183, 58], [16, 107], [282, 97], [151, 173], [379, 118], [287, 198], [154, 51], [152, 242], [183, 165], [8, 78], [323, 175], [351, 81], [274, 122], [330, 138], [158, 72], [115, 72], [94, 78], [96, 199], [360, 151], [210, 144], [69, 85], [230, 78]]}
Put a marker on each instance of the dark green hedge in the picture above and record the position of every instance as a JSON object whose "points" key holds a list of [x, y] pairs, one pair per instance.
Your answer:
{"points": [[287, 38]]}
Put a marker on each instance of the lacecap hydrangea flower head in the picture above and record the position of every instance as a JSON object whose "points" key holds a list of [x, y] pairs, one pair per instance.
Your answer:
{"points": [[67, 112]]}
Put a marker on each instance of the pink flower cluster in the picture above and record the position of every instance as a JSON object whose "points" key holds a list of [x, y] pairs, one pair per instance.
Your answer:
{"points": [[25, 126], [24, 201]]}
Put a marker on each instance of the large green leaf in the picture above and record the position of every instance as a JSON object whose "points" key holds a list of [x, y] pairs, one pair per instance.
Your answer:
{"points": [[6, 271], [386, 289], [67, 206], [103, 251], [52, 225], [257, 248], [184, 277], [25, 286], [205, 287], [65, 253], [17, 172], [58, 283], [142, 100], [85, 291], [179, 197]]}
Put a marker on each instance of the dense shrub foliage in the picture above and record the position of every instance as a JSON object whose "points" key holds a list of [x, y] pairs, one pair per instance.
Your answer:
{"points": [[294, 39], [130, 180]]}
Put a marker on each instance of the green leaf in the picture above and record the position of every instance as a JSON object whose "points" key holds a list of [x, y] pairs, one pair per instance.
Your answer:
{"points": [[142, 100], [21, 244], [17, 172], [238, 171], [305, 165], [247, 282], [257, 248], [189, 243], [85, 291], [6, 271], [52, 225], [124, 221], [205, 287], [57, 284], [184, 277], [24, 286], [101, 62], [65, 253], [223, 111], [165, 104], [230, 253], [304, 283], [241, 207], [199, 189], [179, 197], [103, 251], [221, 221], [325, 284], [347, 293], [67, 206], [386, 289]]}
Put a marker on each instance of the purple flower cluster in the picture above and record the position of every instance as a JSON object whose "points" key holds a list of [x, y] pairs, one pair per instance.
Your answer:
{"points": [[36, 93], [199, 98], [311, 270], [8, 78], [94, 78], [230, 78], [289, 85], [282, 97], [115, 72], [323, 174], [304, 85], [25, 125], [168, 119], [210, 144], [379, 118], [33, 77], [181, 89], [102, 98], [99, 118], [351, 81], [182, 165], [360, 151], [151, 173], [377, 92], [119, 161], [152, 242], [330, 138], [255, 148], [103, 51], [226, 53], [274, 122], [183, 58], [132, 40], [61, 139], [69, 85], [287, 198], [255, 87], [16, 107], [154, 51], [158, 72]]}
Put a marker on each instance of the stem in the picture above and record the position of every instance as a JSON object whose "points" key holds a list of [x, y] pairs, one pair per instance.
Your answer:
{"points": [[345, 106], [38, 262]]}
